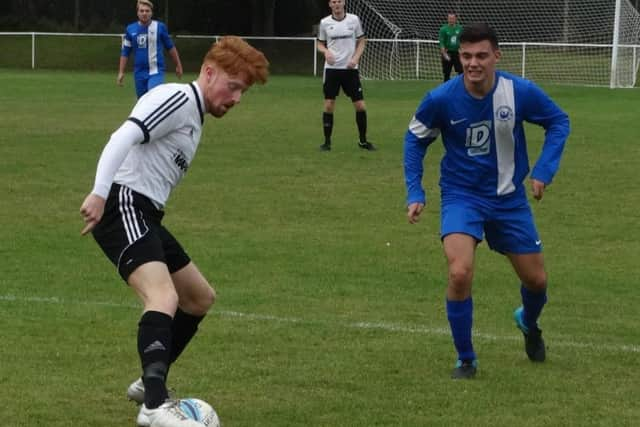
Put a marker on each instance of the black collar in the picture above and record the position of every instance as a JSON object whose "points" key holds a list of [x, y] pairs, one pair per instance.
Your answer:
{"points": [[198, 102]]}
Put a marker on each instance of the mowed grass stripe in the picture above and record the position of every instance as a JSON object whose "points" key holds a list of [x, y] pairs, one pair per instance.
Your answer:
{"points": [[382, 326]]}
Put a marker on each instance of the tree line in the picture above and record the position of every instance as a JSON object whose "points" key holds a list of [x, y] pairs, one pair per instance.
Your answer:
{"points": [[241, 17]]}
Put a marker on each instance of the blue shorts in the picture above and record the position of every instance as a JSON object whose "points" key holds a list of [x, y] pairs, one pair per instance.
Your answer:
{"points": [[507, 230], [144, 83]]}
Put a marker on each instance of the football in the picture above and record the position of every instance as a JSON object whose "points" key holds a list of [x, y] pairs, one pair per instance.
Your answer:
{"points": [[201, 411]]}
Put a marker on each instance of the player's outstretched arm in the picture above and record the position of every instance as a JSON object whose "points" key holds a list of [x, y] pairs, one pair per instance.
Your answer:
{"points": [[540, 109], [111, 158]]}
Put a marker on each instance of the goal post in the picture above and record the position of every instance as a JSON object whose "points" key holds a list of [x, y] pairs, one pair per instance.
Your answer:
{"points": [[626, 33], [594, 43]]}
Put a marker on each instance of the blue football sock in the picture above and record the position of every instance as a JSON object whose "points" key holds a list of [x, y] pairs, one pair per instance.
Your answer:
{"points": [[460, 315], [532, 303]]}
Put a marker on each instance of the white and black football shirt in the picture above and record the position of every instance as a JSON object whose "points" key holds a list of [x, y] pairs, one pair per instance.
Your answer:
{"points": [[152, 151], [340, 37]]}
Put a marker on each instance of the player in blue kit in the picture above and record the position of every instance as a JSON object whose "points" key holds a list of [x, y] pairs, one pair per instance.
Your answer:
{"points": [[147, 39], [480, 116]]}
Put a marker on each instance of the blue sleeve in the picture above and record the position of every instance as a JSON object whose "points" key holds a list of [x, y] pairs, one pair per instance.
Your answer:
{"points": [[541, 110], [127, 42], [164, 36], [420, 134]]}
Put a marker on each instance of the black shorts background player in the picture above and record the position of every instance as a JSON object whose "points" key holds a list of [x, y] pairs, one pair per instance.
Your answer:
{"points": [[341, 40]]}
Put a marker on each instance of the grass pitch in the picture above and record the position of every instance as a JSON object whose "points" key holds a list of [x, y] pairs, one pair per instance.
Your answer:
{"points": [[331, 306]]}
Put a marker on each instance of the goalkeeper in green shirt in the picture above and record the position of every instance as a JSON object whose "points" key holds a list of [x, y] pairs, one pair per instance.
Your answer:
{"points": [[449, 36]]}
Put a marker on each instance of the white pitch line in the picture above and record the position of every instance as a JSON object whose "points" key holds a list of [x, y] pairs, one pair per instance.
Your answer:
{"points": [[380, 326]]}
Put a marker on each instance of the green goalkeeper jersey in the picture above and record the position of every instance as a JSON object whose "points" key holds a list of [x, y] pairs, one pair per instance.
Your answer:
{"points": [[449, 37]]}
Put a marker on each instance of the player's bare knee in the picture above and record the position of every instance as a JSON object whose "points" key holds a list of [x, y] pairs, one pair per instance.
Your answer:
{"points": [[460, 278], [198, 303], [209, 298], [329, 105]]}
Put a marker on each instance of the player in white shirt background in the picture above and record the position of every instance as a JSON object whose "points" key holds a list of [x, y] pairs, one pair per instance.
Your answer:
{"points": [[142, 162], [342, 41]]}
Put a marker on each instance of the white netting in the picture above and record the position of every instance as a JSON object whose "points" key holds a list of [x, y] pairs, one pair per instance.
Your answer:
{"points": [[559, 41], [626, 57]]}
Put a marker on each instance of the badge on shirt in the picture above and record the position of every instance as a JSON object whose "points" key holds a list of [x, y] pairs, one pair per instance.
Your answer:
{"points": [[142, 41]]}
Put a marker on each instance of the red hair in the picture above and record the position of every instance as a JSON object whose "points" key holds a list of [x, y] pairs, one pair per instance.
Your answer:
{"points": [[236, 57]]}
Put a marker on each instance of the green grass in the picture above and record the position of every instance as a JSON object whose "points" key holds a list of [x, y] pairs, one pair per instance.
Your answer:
{"points": [[319, 322], [101, 53]]}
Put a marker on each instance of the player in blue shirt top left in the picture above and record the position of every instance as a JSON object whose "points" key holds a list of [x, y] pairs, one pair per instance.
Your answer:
{"points": [[147, 39]]}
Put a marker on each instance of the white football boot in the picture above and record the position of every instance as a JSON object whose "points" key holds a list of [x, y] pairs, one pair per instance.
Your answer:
{"points": [[168, 414], [135, 391]]}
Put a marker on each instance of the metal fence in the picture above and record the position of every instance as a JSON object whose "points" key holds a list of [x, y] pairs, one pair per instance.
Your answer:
{"points": [[384, 59]]}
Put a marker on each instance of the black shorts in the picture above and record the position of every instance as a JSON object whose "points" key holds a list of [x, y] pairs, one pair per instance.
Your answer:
{"points": [[130, 233], [348, 79]]}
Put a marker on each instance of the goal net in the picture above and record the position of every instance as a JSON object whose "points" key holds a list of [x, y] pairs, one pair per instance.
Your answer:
{"points": [[591, 43]]}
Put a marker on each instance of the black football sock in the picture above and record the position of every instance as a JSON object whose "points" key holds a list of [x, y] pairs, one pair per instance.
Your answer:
{"points": [[532, 302], [361, 121], [154, 347], [183, 328], [327, 125]]}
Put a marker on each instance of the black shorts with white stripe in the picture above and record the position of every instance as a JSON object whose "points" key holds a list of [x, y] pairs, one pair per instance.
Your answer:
{"points": [[130, 233]]}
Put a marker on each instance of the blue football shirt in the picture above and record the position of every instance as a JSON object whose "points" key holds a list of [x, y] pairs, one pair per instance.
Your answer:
{"points": [[485, 145], [148, 43]]}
